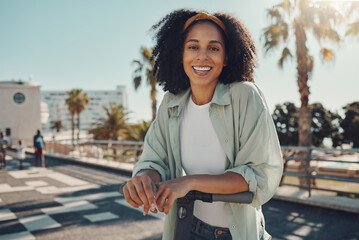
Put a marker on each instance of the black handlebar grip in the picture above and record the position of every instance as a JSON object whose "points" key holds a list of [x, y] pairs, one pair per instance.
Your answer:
{"points": [[242, 197]]}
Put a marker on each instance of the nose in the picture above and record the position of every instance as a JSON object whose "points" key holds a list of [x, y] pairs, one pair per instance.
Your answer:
{"points": [[202, 54]]}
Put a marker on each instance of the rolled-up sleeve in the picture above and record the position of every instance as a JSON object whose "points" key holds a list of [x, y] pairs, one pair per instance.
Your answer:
{"points": [[154, 155], [259, 159]]}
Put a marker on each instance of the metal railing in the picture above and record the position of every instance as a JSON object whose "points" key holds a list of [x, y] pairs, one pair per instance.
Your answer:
{"points": [[307, 164], [328, 164], [122, 151]]}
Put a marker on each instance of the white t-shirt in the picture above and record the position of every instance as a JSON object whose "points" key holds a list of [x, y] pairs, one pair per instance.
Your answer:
{"points": [[20, 152], [202, 153]]}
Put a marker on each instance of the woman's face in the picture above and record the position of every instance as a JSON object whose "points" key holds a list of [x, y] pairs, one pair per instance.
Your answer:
{"points": [[203, 55]]}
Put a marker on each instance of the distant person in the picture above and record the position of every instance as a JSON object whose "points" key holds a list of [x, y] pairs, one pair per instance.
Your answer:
{"points": [[39, 145], [20, 148], [4, 143]]}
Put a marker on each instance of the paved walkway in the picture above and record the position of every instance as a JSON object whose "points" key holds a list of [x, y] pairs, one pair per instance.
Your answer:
{"points": [[285, 193], [72, 201], [68, 202]]}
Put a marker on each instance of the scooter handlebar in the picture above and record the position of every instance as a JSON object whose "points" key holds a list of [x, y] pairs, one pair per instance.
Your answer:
{"points": [[242, 197]]}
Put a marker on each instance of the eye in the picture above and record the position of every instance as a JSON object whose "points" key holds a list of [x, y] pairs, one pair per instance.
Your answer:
{"points": [[216, 49], [192, 47]]}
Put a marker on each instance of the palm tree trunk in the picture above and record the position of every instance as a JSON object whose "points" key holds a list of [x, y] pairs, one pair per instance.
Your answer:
{"points": [[154, 109], [305, 116], [73, 127], [78, 126], [154, 101]]}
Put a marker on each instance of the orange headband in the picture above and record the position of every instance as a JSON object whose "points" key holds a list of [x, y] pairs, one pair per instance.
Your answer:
{"points": [[204, 16]]}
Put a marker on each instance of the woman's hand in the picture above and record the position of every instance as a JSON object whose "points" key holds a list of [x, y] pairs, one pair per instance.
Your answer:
{"points": [[141, 190], [170, 191]]}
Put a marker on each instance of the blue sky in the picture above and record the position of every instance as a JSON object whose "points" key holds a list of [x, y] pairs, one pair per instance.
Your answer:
{"points": [[90, 44]]}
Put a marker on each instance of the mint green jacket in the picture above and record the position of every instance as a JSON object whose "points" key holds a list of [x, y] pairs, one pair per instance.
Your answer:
{"points": [[245, 128]]}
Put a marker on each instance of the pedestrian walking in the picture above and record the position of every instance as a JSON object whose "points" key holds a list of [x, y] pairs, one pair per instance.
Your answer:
{"points": [[213, 133], [4, 143], [20, 149], [39, 146]]}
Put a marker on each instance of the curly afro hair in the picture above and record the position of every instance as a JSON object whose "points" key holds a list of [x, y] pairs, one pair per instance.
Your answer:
{"points": [[167, 53]]}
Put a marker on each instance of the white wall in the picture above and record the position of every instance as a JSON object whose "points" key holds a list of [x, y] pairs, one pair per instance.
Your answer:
{"points": [[23, 119]]}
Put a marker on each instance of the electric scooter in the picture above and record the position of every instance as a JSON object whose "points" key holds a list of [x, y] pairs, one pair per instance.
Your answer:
{"points": [[185, 208]]}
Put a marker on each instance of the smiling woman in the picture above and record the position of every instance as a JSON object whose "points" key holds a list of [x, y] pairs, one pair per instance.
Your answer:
{"points": [[213, 132]]}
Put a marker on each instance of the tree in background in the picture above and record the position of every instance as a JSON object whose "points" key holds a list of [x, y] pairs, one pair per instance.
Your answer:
{"points": [[285, 118], [70, 101], [301, 18], [137, 132], [77, 101], [325, 124], [337, 136], [82, 101], [295, 19], [145, 66], [353, 25], [350, 124], [57, 125], [113, 125]]}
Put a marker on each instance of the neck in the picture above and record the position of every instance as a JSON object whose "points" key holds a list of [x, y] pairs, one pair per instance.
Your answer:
{"points": [[202, 95]]}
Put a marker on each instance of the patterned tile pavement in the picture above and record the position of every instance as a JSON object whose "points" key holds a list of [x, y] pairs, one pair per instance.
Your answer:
{"points": [[43, 203]]}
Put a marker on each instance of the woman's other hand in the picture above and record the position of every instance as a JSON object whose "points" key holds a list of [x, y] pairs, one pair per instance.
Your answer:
{"points": [[169, 191], [140, 191]]}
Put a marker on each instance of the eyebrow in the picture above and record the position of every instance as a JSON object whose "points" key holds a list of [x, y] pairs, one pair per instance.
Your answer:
{"points": [[212, 41]]}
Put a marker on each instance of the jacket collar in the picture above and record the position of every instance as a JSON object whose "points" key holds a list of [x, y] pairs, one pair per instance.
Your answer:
{"points": [[220, 97]]}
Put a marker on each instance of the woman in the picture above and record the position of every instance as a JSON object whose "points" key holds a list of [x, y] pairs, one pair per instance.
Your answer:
{"points": [[213, 132]]}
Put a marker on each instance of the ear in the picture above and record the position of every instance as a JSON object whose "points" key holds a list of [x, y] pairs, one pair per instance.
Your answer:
{"points": [[225, 61]]}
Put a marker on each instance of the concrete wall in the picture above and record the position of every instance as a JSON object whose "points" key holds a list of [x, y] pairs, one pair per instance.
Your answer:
{"points": [[22, 118]]}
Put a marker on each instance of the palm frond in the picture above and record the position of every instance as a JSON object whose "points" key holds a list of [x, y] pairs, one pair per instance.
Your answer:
{"points": [[274, 13], [327, 54], [273, 35], [146, 54], [352, 9], [285, 55], [137, 81], [286, 5], [324, 32], [353, 29]]}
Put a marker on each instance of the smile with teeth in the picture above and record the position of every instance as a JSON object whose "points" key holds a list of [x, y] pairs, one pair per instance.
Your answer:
{"points": [[202, 69]]}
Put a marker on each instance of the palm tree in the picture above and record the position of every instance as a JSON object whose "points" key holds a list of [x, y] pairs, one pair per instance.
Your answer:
{"points": [[137, 132], [113, 125], [115, 120], [70, 101], [57, 125], [298, 18], [146, 65], [81, 103], [77, 101], [353, 26]]}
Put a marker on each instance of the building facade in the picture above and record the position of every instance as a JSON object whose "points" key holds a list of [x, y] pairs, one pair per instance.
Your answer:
{"points": [[20, 111], [58, 110]]}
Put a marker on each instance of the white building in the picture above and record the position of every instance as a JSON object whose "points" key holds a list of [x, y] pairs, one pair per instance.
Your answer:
{"points": [[20, 113], [58, 110]]}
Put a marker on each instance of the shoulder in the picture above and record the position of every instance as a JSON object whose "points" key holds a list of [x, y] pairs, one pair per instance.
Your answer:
{"points": [[245, 92], [243, 88]]}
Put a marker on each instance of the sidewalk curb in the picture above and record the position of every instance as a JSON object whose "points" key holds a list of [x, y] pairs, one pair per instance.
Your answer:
{"points": [[323, 204]]}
